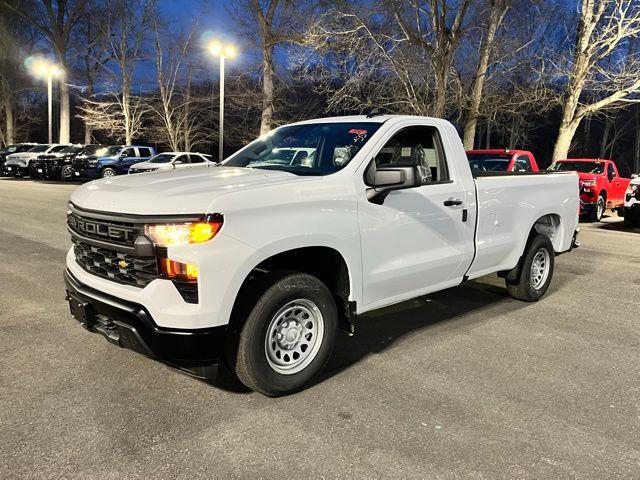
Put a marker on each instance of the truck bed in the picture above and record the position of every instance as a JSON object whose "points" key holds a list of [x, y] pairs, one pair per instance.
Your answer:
{"points": [[509, 203]]}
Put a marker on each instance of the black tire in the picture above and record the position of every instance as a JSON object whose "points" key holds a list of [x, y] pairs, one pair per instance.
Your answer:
{"points": [[108, 172], [66, 173], [620, 211], [595, 215], [249, 359], [631, 222], [32, 172], [520, 285]]}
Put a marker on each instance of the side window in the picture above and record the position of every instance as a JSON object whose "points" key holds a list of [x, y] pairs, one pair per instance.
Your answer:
{"points": [[416, 146], [611, 172], [129, 152], [58, 148], [523, 164], [144, 152], [196, 158], [184, 159]]}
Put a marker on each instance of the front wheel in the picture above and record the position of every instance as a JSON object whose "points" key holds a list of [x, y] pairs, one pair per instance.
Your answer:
{"points": [[108, 172], [598, 211], [66, 174], [536, 270], [288, 335]]}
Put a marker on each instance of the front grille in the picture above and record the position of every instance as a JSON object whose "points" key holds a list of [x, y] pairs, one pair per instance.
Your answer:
{"points": [[117, 266], [118, 233], [80, 163]]}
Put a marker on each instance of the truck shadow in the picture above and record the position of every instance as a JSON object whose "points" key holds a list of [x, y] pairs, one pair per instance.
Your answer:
{"points": [[376, 331], [449, 309]]}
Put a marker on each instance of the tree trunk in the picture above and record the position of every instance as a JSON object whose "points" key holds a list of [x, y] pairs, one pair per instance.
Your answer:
{"points": [[488, 134], [126, 110], [9, 120], [440, 95], [267, 89], [604, 142], [563, 142], [495, 17]]}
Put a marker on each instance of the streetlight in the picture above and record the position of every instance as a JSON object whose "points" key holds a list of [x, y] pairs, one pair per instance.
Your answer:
{"points": [[218, 49], [45, 69]]}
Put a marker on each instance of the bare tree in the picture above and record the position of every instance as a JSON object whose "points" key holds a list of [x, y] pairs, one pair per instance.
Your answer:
{"points": [[178, 118], [126, 28], [599, 75], [56, 21], [93, 52], [279, 22], [496, 12]]}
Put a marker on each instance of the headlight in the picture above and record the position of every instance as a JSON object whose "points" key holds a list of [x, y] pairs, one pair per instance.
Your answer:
{"points": [[92, 161], [183, 233]]}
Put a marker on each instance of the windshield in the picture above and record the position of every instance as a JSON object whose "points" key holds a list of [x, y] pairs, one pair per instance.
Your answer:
{"points": [[9, 149], [488, 162], [106, 151], [92, 149], [40, 148], [72, 149], [583, 167], [162, 158], [309, 149]]}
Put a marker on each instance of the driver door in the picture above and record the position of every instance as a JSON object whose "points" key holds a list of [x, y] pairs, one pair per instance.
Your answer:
{"points": [[419, 239]]}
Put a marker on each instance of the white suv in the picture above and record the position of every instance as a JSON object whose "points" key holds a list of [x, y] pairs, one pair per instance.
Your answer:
{"points": [[632, 202]]}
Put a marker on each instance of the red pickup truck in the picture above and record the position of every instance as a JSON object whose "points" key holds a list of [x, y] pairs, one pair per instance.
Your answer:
{"points": [[501, 160], [601, 186]]}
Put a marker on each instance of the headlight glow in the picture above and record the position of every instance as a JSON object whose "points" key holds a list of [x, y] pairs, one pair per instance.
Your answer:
{"points": [[182, 233]]}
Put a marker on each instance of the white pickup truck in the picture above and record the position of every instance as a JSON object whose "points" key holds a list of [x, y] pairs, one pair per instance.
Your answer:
{"points": [[257, 262]]}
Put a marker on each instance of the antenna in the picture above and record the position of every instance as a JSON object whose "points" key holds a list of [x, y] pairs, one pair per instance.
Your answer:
{"points": [[374, 112]]}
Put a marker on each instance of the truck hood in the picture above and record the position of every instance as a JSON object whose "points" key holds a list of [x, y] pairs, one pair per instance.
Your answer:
{"points": [[188, 191], [19, 158], [588, 176], [151, 165]]}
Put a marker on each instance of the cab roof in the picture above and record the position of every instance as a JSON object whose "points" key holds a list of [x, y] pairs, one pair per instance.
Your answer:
{"points": [[585, 160]]}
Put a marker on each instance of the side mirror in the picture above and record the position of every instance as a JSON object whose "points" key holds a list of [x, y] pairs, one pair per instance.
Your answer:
{"points": [[178, 162], [388, 177]]}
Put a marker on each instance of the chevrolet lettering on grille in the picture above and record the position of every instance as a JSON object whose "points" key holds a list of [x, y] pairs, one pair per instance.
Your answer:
{"points": [[95, 228]]}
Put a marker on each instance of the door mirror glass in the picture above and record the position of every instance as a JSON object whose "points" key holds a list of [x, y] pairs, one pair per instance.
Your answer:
{"points": [[178, 162]]}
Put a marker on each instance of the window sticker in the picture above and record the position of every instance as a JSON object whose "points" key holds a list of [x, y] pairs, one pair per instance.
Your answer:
{"points": [[360, 134]]}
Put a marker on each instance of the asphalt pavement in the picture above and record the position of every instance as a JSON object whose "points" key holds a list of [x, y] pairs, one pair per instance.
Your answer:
{"points": [[465, 383]]}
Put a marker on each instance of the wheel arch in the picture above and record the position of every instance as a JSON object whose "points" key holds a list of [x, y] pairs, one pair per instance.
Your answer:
{"points": [[324, 262]]}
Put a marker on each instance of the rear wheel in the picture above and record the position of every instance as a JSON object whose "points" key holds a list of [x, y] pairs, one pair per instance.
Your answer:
{"points": [[288, 335], [108, 172], [536, 271]]}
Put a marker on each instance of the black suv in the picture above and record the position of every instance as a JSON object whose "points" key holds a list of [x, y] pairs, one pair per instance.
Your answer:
{"points": [[54, 166], [8, 150]]}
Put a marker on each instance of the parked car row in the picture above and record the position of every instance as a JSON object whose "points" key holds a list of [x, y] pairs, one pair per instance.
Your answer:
{"points": [[80, 162], [601, 186]]}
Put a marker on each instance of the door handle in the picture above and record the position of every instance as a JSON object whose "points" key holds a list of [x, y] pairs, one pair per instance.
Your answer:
{"points": [[452, 202]]}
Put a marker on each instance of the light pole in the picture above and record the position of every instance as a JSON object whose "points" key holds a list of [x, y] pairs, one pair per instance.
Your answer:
{"points": [[217, 49], [48, 70]]}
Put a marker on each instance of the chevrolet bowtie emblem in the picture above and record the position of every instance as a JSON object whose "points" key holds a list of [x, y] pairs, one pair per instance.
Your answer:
{"points": [[123, 264]]}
